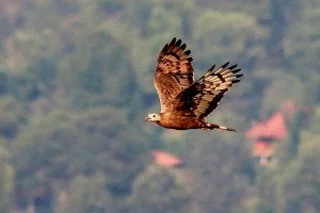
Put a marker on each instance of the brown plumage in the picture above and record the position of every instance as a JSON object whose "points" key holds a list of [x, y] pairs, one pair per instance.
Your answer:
{"points": [[185, 103]]}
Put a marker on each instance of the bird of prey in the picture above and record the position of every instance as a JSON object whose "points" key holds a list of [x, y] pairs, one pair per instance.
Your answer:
{"points": [[185, 103]]}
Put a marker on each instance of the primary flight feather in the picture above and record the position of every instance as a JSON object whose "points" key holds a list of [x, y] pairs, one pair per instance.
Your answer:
{"points": [[185, 103]]}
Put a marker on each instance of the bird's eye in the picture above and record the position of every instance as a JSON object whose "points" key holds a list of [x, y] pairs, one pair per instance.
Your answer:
{"points": [[154, 116]]}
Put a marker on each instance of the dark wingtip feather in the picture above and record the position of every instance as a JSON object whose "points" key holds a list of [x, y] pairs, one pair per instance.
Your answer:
{"points": [[173, 41], [235, 71], [190, 59], [187, 52], [165, 48], [238, 75], [183, 46], [178, 43], [225, 65], [233, 66], [212, 67]]}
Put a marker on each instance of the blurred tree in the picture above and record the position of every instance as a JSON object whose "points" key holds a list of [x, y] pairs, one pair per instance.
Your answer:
{"points": [[285, 86], [214, 35], [71, 144], [86, 195], [6, 179], [158, 189], [220, 168], [11, 116], [302, 43], [293, 186], [98, 81], [302, 181], [282, 14], [12, 16], [37, 81]]}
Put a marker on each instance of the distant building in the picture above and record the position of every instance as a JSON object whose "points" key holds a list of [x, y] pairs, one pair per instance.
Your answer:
{"points": [[166, 159], [263, 150], [264, 134]]}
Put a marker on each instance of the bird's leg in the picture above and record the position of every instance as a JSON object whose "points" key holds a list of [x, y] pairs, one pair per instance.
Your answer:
{"points": [[206, 129], [210, 126]]}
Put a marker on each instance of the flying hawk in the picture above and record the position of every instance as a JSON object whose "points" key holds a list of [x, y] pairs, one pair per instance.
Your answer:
{"points": [[185, 103]]}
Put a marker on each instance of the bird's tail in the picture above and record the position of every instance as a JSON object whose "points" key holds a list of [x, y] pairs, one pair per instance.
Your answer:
{"points": [[210, 126]]}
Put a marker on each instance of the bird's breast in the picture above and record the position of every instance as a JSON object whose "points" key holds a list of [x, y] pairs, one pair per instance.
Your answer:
{"points": [[179, 122]]}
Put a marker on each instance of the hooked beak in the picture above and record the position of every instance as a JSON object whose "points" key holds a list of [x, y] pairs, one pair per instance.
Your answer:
{"points": [[146, 119]]}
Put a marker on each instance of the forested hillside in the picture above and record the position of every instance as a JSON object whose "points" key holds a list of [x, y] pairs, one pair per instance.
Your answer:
{"points": [[76, 81]]}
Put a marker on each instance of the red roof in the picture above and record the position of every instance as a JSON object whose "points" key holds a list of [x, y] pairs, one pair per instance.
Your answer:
{"points": [[273, 128], [166, 159]]}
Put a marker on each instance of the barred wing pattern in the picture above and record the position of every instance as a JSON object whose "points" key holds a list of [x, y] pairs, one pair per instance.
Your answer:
{"points": [[204, 95], [174, 73]]}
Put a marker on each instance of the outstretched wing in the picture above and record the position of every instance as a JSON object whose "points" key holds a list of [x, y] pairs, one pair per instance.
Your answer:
{"points": [[174, 72], [204, 95]]}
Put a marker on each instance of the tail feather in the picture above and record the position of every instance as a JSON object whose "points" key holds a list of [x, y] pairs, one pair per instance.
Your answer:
{"points": [[210, 126]]}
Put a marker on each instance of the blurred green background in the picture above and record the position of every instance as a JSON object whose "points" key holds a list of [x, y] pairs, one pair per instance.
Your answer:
{"points": [[76, 80]]}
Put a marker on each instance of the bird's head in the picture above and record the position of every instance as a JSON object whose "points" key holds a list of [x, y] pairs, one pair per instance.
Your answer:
{"points": [[152, 117]]}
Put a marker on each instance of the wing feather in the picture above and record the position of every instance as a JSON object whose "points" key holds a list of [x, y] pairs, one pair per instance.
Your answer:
{"points": [[174, 72], [204, 95]]}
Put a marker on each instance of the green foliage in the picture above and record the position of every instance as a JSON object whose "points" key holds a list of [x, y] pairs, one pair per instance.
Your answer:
{"points": [[221, 164], [37, 81], [301, 47], [294, 186], [11, 116], [158, 188], [301, 186], [95, 80], [86, 195], [286, 86], [71, 144], [6, 179], [227, 35], [42, 151]]}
